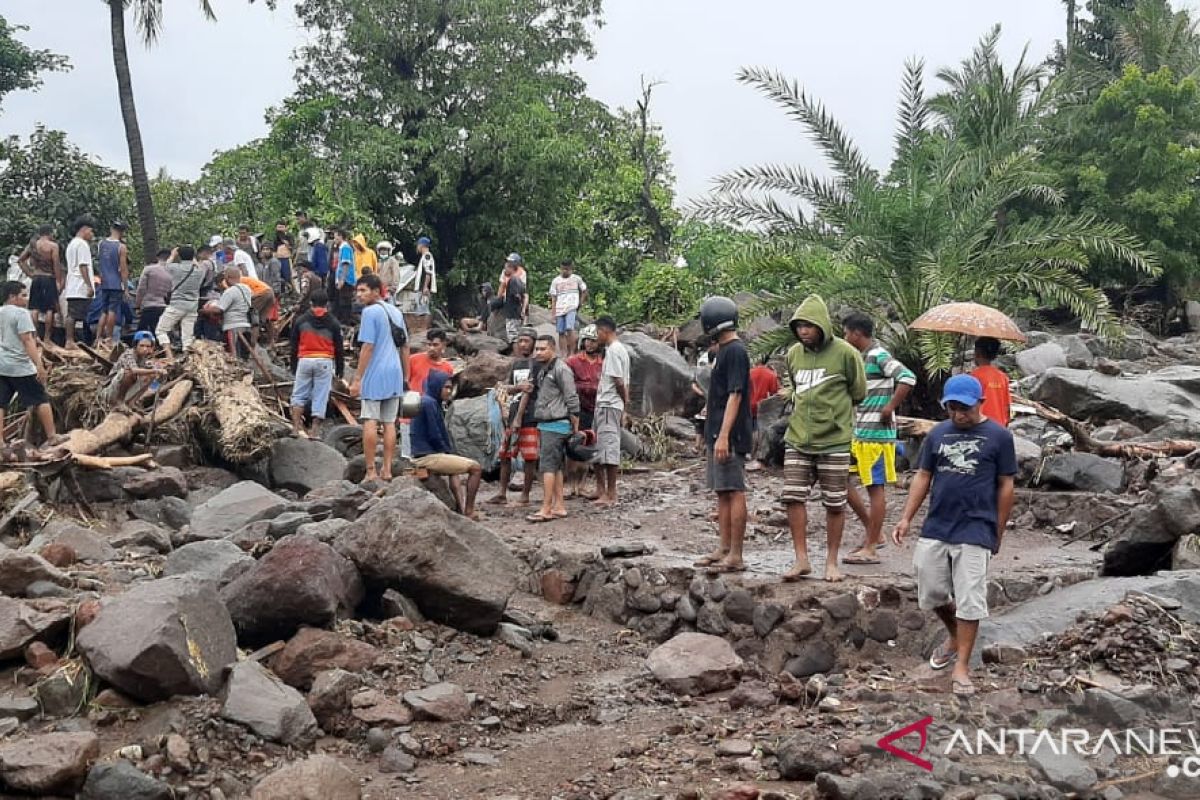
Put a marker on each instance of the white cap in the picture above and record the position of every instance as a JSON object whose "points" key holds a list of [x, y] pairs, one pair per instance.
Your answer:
{"points": [[384, 245], [215, 241]]}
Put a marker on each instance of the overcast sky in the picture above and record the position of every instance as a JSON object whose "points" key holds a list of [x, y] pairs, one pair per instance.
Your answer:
{"points": [[204, 87]]}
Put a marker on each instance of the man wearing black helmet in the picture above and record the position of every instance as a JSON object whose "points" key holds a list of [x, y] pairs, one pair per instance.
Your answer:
{"points": [[728, 432]]}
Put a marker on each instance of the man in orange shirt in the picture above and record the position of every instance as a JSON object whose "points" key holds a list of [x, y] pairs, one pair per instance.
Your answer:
{"points": [[997, 397], [266, 305], [421, 364]]}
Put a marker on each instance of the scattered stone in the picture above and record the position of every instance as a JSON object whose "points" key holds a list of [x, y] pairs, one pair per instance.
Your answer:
{"points": [[740, 606], [374, 708], [63, 692], [327, 530], [1064, 770], [288, 523], [26, 621], [172, 513], [48, 764], [767, 617], [626, 550], [685, 609], [752, 694], [735, 748], [85, 543], [802, 759], [841, 606], [395, 604], [120, 780], [19, 570], [396, 760], [330, 695], [1004, 654], [234, 508], [814, 657], [161, 482], [1112, 709], [139, 533], [442, 702], [60, 555], [22, 708], [217, 560], [377, 740], [695, 664], [257, 699], [1083, 472], [313, 650], [318, 777]]}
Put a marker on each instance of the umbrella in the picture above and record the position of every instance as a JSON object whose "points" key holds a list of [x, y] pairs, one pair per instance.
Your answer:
{"points": [[972, 319]]}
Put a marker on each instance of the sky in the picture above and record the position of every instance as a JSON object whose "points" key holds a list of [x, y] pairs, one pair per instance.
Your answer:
{"points": [[205, 86]]}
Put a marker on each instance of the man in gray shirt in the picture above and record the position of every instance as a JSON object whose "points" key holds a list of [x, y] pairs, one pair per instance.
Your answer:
{"points": [[235, 305], [21, 370], [187, 275]]}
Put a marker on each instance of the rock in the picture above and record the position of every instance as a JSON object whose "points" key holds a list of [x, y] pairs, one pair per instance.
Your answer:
{"points": [[287, 523], [139, 533], [234, 508], [330, 695], [216, 560], [767, 617], [22, 622], [661, 381], [161, 482], [1004, 654], [394, 604], [312, 651], [318, 777], [469, 421], [1146, 537], [1083, 472], [161, 638], [739, 607], [21, 708], [442, 702], [48, 764], [841, 606], [658, 627], [60, 555], [481, 373], [685, 609], [814, 657], [87, 545], [883, 626], [802, 759], [1147, 401], [63, 693], [459, 573], [396, 760], [373, 708], [171, 513], [121, 780], [257, 699], [1029, 457], [1111, 709], [325, 531], [301, 465], [1064, 770], [19, 570], [695, 664], [300, 582], [1036, 360], [752, 694]]}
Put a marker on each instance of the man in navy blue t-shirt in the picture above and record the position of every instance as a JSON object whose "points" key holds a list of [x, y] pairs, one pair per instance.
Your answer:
{"points": [[969, 461]]}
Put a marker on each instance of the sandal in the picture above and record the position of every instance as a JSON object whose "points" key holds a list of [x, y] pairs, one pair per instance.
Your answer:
{"points": [[706, 561], [942, 658], [794, 575], [962, 688], [859, 558], [538, 518], [727, 568]]}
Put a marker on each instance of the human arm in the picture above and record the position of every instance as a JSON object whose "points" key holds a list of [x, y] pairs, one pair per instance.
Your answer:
{"points": [[364, 361], [59, 277], [23, 262], [732, 406], [30, 343], [123, 264], [404, 358], [339, 351], [916, 497], [571, 395], [140, 294], [1006, 495], [856, 376], [905, 380], [294, 347]]}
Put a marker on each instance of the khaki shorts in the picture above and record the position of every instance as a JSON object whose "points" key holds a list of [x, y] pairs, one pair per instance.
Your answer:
{"points": [[445, 464], [952, 573], [607, 424]]}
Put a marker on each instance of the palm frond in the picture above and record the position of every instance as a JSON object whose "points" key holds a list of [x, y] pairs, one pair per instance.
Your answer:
{"points": [[744, 209], [913, 116]]}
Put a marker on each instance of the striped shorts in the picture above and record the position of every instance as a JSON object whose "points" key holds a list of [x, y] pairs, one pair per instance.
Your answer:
{"points": [[830, 471]]}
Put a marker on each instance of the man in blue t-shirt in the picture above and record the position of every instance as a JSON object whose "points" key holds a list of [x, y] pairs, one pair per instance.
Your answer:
{"points": [[379, 380], [969, 461]]}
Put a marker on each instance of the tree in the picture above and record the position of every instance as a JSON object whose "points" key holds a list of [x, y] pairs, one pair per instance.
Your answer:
{"points": [[939, 226], [21, 67]]}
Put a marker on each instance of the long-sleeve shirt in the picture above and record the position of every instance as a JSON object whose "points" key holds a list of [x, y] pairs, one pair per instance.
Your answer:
{"points": [[556, 396], [317, 334], [427, 432], [153, 287]]}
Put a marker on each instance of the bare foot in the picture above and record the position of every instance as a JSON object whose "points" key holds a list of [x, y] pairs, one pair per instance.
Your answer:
{"points": [[832, 574], [498, 500], [602, 502], [370, 476], [797, 572], [727, 565], [385, 478], [715, 557], [517, 503]]}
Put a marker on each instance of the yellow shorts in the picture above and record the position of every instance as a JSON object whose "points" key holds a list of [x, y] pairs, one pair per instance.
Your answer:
{"points": [[875, 462]]}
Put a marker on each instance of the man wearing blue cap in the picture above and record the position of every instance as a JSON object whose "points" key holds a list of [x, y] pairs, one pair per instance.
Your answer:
{"points": [[967, 466]]}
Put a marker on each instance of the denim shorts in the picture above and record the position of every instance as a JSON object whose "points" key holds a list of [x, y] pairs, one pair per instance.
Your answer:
{"points": [[314, 380], [567, 321], [112, 299]]}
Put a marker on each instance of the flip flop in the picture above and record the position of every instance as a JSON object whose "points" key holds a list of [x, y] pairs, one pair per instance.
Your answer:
{"points": [[857, 558], [705, 561], [962, 688], [538, 518], [727, 568], [942, 658], [563, 515]]}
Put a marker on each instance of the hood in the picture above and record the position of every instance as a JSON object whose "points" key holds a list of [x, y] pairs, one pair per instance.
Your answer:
{"points": [[360, 242], [814, 310], [435, 383]]}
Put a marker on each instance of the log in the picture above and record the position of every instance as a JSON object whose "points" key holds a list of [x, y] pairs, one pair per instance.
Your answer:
{"points": [[109, 462], [120, 424], [243, 428]]}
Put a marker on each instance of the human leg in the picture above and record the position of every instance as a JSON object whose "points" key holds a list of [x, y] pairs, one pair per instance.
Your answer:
{"points": [[968, 566], [302, 394], [370, 442], [45, 417], [799, 474], [391, 409], [833, 475], [474, 477]]}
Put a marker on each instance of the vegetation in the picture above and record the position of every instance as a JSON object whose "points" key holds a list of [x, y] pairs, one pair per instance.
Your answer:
{"points": [[21, 67]]}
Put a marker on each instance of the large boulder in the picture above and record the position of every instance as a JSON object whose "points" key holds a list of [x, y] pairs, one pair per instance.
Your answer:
{"points": [[1146, 538], [266, 705], [1084, 472], [483, 371], [19, 571], [301, 465], [234, 508], [476, 427], [695, 664], [457, 571], [48, 764], [301, 581], [773, 414], [1148, 401], [120, 780], [318, 777], [1036, 360], [161, 482], [22, 622], [661, 381], [161, 638], [169, 512], [442, 702]]}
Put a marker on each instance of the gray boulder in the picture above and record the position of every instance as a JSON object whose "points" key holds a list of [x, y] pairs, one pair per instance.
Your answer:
{"points": [[483, 371], [661, 381], [161, 482], [457, 571], [172, 513], [234, 508], [266, 705], [120, 780], [1084, 472], [161, 638], [139, 533], [1148, 401], [1036, 360], [86, 543], [1065, 770], [326, 530], [22, 622], [1146, 538], [695, 664], [301, 465], [318, 777], [19, 571], [49, 764], [218, 560]]}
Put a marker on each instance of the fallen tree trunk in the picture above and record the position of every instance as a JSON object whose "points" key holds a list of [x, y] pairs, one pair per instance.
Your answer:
{"points": [[242, 427], [120, 424]]}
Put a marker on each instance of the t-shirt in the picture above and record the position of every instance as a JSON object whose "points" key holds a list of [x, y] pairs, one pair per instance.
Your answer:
{"points": [[14, 361], [730, 376], [883, 372], [419, 367], [235, 302], [764, 382], [320, 259], [78, 254], [514, 299], [523, 370], [109, 256], [346, 271], [186, 279], [587, 379], [566, 293], [384, 378], [997, 396], [616, 365], [966, 465], [427, 269], [242, 260]]}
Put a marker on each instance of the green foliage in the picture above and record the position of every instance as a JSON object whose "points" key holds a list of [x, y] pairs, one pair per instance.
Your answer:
{"points": [[20, 67], [664, 294]]}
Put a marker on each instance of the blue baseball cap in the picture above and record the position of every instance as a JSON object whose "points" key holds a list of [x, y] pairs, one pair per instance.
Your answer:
{"points": [[963, 389], [425, 240], [141, 336]]}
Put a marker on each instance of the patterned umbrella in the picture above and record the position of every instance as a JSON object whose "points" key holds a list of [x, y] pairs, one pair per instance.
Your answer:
{"points": [[972, 319]]}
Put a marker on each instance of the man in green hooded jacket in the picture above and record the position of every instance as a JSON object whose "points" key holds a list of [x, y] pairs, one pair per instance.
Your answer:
{"points": [[827, 381]]}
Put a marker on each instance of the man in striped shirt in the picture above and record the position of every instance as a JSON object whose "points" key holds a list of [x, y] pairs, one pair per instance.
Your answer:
{"points": [[888, 384]]}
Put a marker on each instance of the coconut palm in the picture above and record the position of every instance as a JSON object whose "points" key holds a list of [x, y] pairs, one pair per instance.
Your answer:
{"points": [[1153, 35], [949, 221]]}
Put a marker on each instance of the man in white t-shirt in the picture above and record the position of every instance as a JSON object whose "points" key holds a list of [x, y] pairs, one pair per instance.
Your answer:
{"points": [[569, 292], [80, 287], [237, 257], [612, 400]]}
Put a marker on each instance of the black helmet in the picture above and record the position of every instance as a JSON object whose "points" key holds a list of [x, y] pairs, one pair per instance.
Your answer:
{"points": [[581, 446], [718, 314]]}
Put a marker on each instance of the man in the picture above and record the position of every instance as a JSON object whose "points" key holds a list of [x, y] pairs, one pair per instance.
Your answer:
{"points": [[307, 282], [389, 268], [569, 292], [153, 289], [516, 303], [379, 380], [889, 383], [236, 256], [284, 250], [997, 394], [345, 277], [827, 383], [967, 464], [270, 270], [22, 373], [187, 276], [113, 256], [317, 357], [432, 450], [235, 306], [612, 400], [318, 252], [557, 415], [426, 281], [304, 249], [133, 375], [518, 270], [41, 262], [432, 360], [521, 438], [586, 367], [265, 305], [247, 243], [80, 287]]}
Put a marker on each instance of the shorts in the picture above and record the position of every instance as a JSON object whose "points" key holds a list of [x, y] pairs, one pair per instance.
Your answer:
{"points": [[512, 329], [406, 301], [384, 411], [727, 477], [875, 462], [952, 573], [831, 471], [445, 464], [608, 436], [27, 388], [566, 322], [111, 300], [43, 293], [422, 305], [552, 453], [77, 308], [314, 380], [526, 445]]}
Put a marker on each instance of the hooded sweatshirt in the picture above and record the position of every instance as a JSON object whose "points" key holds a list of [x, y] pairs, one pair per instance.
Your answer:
{"points": [[428, 429], [827, 383], [364, 256]]}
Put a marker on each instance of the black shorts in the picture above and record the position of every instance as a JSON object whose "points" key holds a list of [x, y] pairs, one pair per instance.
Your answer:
{"points": [[727, 477], [27, 388], [77, 308], [43, 293]]}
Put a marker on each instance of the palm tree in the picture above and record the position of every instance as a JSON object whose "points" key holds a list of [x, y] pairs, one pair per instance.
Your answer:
{"points": [[949, 221]]}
